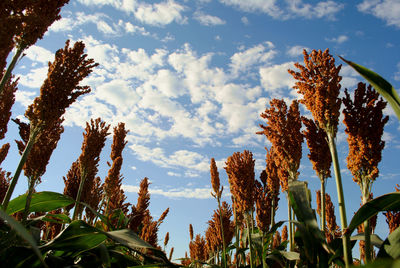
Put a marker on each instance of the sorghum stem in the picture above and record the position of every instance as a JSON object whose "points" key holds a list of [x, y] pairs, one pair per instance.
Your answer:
{"points": [[10, 67], [31, 188], [342, 208], [323, 217], [28, 147], [291, 246], [223, 255], [78, 195], [249, 230]]}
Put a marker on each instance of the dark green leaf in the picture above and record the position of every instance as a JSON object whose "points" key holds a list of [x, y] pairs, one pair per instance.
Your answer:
{"points": [[21, 231], [129, 239], [76, 238], [391, 246], [382, 203], [375, 239], [380, 84], [41, 202]]}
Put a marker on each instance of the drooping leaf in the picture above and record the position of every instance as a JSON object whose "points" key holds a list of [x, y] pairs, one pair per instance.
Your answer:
{"points": [[21, 231], [76, 238], [380, 85], [391, 246], [375, 239], [385, 202], [41, 202], [290, 255]]}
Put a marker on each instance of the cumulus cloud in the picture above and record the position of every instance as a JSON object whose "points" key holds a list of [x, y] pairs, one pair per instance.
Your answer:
{"points": [[39, 54], [277, 10], [192, 193], [259, 54], [160, 14], [296, 51], [321, 9], [245, 20], [208, 20], [339, 40], [277, 77], [387, 10]]}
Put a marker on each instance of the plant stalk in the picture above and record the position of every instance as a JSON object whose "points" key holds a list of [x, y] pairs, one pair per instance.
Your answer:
{"points": [[367, 227], [342, 208], [323, 214], [290, 216], [32, 139], [223, 255], [78, 195], [11, 67], [249, 231], [31, 189]]}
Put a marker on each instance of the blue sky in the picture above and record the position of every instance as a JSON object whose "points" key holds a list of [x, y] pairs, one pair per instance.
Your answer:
{"points": [[190, 79]]}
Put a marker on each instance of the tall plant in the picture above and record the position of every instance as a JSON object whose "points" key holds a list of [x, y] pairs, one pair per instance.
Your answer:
{"points": [[364, 120], [319, 83]]}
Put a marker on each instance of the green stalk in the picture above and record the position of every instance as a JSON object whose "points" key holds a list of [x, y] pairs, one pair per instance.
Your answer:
{"points": [[273, 211], [367, 228], [323, 216], [250, 240], [31, 189], [11, 67], [78, 196], [291, 244], [32, 139], [223, 255], [342, 208]]}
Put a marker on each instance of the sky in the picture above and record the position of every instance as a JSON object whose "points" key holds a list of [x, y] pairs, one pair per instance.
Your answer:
{"points": [[190, 78]]}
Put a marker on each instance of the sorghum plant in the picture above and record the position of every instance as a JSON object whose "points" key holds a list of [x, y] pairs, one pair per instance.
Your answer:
{"points": [[364, 122], [139, 211], [393, 217], [318, 145], [319, 83], [332, 231], [59, 90], [240, 170], [283, 131]]}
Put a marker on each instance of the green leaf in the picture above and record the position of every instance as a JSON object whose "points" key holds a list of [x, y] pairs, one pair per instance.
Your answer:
{"points": [[380, 84], [298, 194], [21, 231], [41, 202], [375, 239], [391, 246], [129, 239], [76, 238], [290, 255], [385, 202]]}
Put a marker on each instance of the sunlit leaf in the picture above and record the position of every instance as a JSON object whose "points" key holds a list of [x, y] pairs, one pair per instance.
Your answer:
{"points": [[380, 85]]}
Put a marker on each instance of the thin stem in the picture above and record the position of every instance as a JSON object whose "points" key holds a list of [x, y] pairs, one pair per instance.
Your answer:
{"points": [[250, 240], [323, 217], [367, 227], [223, 255], [28, 147], [342, 208], [31, 189], [11, 67], [273, 212], [291, 246], [78, 196]]}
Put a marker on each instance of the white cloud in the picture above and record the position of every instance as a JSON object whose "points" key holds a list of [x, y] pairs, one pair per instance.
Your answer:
{"points": [[208, 20], [35, 77], [266, 6], [192, 193], [259, 54], [174, 174], [245, 20], [277, 77], [350, 77], [296, 51], [339, 40], [39, 54], [321, 9], [387, 10], [103, 27], [25, 98], [160, 14]]}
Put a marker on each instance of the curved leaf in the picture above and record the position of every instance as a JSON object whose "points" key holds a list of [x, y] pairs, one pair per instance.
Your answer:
{"points": [[76, 238], [391, 246], [41, 202], [380, 84], [382, 203], [375, 239], [21, 231]]}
